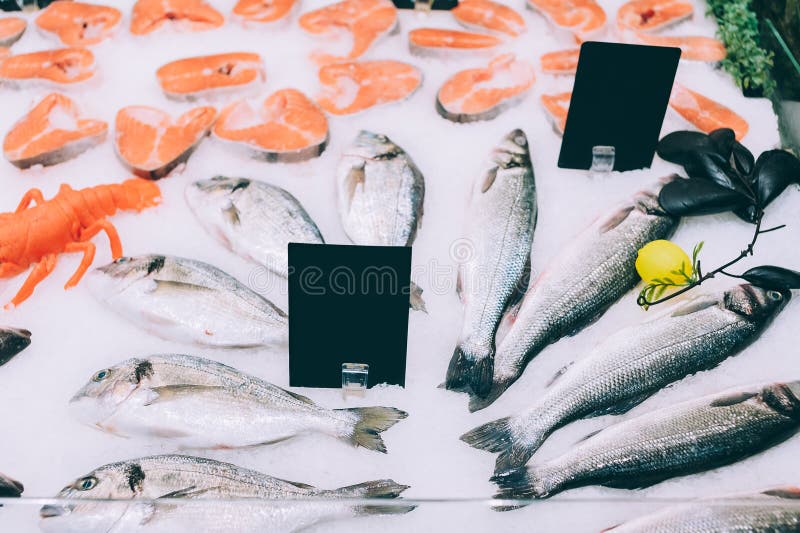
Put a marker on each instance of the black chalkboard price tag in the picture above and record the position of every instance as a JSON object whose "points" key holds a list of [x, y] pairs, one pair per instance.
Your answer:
{"points": [[436, 5]]}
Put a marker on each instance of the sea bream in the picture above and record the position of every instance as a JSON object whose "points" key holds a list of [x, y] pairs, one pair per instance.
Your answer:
{"points": [[253, 219], [188, 301], [633, 364], [198, 403], [679, 440], [578, 285], [770, 511], [380, 193], [502, 217], [204, 484], [12, 341]]}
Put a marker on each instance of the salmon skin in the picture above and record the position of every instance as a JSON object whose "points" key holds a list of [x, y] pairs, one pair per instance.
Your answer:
{"points": [[11, 29], [490, 16], [64, 66], [287, 128], [359, 85], [365, 20], [483, 93], [195, 77], [584, 18], [560, 61], [191, 15], [704, 113], [79, 24], [52, 132], [152, 144], [427, 41], [557, 107], [264, 10]]}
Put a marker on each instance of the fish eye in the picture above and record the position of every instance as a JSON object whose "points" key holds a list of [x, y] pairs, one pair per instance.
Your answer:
{"points": [[87, 483], [775, 296], [121, 260], [101, 375]]}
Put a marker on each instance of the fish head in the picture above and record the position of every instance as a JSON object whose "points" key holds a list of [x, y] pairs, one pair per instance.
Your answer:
{"points": [[120, 274], [783, 398], [369, 145], [754, 303], [117, 481], [513, 151], [215, 193], [109, 388]]}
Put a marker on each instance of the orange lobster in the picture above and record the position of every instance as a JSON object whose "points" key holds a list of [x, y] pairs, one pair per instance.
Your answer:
{"points": [[64, 224]]}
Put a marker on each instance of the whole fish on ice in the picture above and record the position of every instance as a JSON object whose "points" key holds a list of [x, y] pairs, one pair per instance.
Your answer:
{"points": [[502, 217], [12, 341], [380, 192], [634, 363], [188, 301], [253, 219], [204, 484], [200, 403], [578, 286], [679, 440]]}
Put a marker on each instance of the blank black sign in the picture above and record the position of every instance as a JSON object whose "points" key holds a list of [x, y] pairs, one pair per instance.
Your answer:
{"points": [[347, 304], [619, 99]]}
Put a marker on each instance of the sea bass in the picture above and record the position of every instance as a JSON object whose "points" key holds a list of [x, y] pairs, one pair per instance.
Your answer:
{"points": [[578, 286], [188, 301], [203, 483], [771, 511], [633, 364], [253, 219], [687, 438], [380, 192], [162, 395], [12, 341], [499, 232]]}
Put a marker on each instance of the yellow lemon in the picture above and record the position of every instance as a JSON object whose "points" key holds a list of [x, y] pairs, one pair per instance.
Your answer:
{"points": [[658, 260]]}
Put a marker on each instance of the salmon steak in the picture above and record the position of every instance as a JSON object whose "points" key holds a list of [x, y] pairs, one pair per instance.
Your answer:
{"points": [[52, 132], [365, 21], [11, 29], [693, 48], [287, 128], [77, 23], [653, 15], [584, 18], [427, 41], [560, 61], [483, 93], [557, 107], [4, 52], [264, 10], [195, 77], [487, 15], [704, 113], [64, 66], [359, 85], [186, 15], [152, 144]]}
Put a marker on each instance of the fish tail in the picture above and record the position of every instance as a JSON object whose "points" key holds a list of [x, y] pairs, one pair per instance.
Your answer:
{"points": [[415, 300], [514, 484], [498, 437], [476, 403], [467, 372], [370, 423], [494, 437], [382, 488]]}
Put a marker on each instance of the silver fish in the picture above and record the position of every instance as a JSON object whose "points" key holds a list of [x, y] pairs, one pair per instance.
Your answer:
{"points": [[204, 484], [679, 440], [253, 219], [161, 396], [12, 341], [10, 488], [188, 301], [633, 364], [380, 193], [578, 286], [499, 231], [771, 511]]}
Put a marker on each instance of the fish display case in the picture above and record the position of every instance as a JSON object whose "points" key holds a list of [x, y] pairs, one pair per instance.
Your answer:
{"points": [[159, 156]]}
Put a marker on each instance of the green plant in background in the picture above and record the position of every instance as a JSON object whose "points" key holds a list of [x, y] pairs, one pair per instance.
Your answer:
{"points": [[747, 61]]}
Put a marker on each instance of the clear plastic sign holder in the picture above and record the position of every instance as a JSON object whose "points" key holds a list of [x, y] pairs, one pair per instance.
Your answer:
{"points": [[423, 7], [602, 160], [355, 377]]}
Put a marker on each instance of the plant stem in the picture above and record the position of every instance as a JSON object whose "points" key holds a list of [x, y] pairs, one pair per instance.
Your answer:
{"points": [[643, 302]]}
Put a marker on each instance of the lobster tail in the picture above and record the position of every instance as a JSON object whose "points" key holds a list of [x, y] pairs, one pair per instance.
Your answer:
{"points": [[135, 194]]}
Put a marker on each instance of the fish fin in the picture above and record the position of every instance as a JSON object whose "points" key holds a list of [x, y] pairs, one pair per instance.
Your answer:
{"points": [[693, 306], [561, 372], [10, 488], [169, 286], [514, 484], [415, 300], [470, 373], [616, 218], [370, 423], [489, 179], [299, 397], [382, 488], [621, 407], [231, 215], [476, 403], [636, 482], [273, 441], [354, 178], [188, 492], [493, 437], [175, 392], [297, 484], [610, 528], [135, 516], [733, 399], [522, 285], [588, 436], [789, 493]]}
